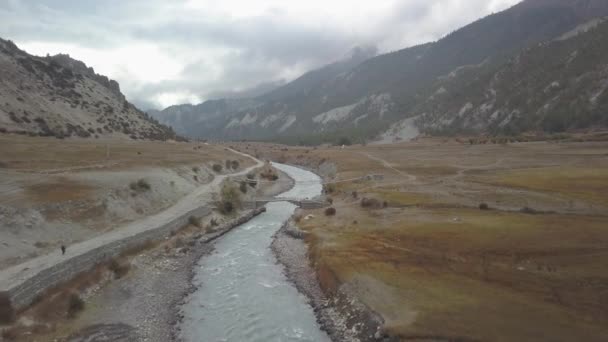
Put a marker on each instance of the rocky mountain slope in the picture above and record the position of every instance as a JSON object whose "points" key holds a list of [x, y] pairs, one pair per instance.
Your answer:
{"points": [[59, 96], [387, 93], [553, 87]]}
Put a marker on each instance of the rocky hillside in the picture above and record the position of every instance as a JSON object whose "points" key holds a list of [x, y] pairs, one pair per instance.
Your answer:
{"points": [[59, 96], [386, 93], [553, 87]]}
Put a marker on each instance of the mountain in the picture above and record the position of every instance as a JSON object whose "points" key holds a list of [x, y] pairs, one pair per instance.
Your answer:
{"points": [[62, 97], [386, 93], [553, 87]]}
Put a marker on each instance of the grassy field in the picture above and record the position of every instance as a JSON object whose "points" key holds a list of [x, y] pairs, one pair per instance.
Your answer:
{"points": [[50, 154], [436, 267]]}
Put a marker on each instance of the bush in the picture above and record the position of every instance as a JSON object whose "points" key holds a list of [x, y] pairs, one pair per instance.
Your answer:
{"points": [[226, 207], [528, 210], [231, 199], [329, 188], [370, 203], [243, 187], [10, 334], [196, 169], [140, 186], [251, 176], [344, 141], [7, 314], [355, 195], [120, 269], [195, 221], [217, 168], [484, 206], [75, 305], [330, 211], [235, 164]]}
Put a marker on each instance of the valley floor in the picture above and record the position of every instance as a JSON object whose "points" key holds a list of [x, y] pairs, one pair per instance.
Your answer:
{"points": [[59, 192], [501, 242]]}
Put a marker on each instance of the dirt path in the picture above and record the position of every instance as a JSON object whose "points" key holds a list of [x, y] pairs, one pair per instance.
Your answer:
{"points": [[13, 276], [386, 164]]}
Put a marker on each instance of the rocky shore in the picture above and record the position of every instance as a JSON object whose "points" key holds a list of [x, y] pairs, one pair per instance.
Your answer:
{"points": [[145, 304], [341, 315]]}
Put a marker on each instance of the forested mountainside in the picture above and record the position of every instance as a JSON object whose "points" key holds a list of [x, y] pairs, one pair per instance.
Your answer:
{"points": [[389, 93], [59, 96]]}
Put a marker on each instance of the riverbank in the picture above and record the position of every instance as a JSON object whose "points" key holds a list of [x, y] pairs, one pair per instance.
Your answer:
{"points": [[145, 305], [341, 315]]}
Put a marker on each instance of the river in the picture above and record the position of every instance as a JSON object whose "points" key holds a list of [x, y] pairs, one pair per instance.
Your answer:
{"points": [[242, 292]]}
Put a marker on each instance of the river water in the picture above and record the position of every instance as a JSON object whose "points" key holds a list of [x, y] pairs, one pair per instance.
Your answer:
{"points": [[242, 293]]}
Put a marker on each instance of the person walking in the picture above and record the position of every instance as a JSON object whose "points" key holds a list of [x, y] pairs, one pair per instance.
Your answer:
{"points": [[63, 249]]}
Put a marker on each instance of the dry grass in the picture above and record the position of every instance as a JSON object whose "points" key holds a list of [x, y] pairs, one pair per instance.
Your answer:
{"points": [[483, 276], [435, 266], [58, 190], [48, 154], [589, 184]]}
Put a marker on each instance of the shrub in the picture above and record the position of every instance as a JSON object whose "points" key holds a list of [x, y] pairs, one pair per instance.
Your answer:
{"points": [[269, 174], [140, 186], [75, 305], [231, 199], [528, 210], [251, 176], [484, 206], [120, 269], [228, 164], [243, 187], [344, 141], [7, 314], [217, 168], [355, 195], [370, 203], [330, 200], [330, 211], [226, 207], [196, 169], [329, 188], [10, 334], [235, 164], [195, 221]]}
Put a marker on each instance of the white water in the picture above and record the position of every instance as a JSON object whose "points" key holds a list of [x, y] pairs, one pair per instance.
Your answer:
{"points": [[243, 294]]}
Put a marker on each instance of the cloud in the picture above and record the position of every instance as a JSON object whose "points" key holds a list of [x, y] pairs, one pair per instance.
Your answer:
{"points": [[167, 52]]}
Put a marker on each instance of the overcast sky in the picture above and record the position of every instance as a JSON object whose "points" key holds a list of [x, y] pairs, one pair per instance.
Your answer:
{"points": [[185, 51]]}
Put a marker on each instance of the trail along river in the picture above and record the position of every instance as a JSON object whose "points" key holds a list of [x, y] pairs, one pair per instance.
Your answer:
{"points": [[242, 293]]}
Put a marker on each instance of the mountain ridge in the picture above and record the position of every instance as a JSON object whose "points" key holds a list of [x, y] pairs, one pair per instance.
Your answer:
{"points": [[364, 101], [63, 97]]}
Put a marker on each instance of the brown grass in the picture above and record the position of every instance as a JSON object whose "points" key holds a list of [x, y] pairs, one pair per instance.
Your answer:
{"points": [[45, 154], [436, 266]]}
